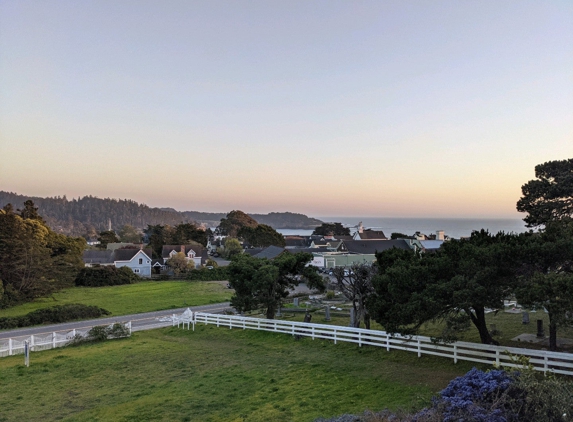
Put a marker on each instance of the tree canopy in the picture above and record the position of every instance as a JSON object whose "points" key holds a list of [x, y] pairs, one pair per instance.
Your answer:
{"points": [[550, 196], [234, 222], [263, 283], [261, 236], [34, 260], [335, 229], [461, 279]]}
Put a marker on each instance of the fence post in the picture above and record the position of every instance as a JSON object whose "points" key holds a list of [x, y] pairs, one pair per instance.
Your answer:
{"points": [[335, 336], [217, 321], [129, 326], [419, 347], [244, 324], [31, 342], [497, 357], [455, 353], [359, 339], [545, 365], [54, 340], [387, 342], [313, 332], [10, 347]]}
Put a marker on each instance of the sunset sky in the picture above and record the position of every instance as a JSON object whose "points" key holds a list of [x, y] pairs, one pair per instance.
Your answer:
{"points": [[350, 108]]}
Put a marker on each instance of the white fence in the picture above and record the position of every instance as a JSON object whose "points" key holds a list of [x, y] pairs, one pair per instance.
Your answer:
{"points": [[15, 346], [541, 360]]}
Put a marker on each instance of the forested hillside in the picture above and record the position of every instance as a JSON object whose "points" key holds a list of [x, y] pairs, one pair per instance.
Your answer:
{"points": [[90, 215]]}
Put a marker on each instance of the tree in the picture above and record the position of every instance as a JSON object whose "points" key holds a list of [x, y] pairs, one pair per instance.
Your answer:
{"points": [[355, 283], [179, 263], [335, 229], [261, 236], [34, 260], [232, 248], [30, 211], [158, 236], [234, 222], [548, 201], [186, 233], [550, 196], [460, 280], [547, 273], [263, 283], [397, 235], [130, 234], [106, 237]]}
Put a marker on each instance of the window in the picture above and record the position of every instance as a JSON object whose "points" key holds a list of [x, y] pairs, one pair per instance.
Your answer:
{"points": [[140, 261], [136, 270]]}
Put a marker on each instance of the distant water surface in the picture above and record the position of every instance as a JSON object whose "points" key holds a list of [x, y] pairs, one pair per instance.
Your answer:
{"points": [[453, 227]]}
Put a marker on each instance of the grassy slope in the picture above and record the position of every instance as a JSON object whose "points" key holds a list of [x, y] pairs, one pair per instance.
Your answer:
{"points": [[133, 298], [215, 374]]}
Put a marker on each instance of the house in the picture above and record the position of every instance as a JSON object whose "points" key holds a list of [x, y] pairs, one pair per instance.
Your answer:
{"points": [[370, 247], [196, 253], [368, 234], [138, 260], [271, 252], [93, 257]]}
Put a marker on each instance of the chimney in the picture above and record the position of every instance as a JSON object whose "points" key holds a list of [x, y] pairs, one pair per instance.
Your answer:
{"points": [[360, 228], [183, 249], [439, 235]]}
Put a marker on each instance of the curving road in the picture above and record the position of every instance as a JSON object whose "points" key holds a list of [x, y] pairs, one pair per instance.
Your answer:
{"points": [[139, 322]]}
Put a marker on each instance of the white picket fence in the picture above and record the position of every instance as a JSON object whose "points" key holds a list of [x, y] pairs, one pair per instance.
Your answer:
{"points": [[15, 346], [541, 360]]}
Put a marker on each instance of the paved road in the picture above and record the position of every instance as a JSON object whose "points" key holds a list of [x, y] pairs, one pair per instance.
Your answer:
{"points": [[144, 321]]}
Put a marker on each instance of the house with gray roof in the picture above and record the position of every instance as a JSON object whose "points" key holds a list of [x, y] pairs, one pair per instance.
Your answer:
{"points": [[197, 253], [271, 252], [138, 260], [99, 257]]}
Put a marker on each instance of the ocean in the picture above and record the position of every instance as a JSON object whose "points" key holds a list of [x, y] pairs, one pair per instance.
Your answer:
{"points": [[452, 227]]}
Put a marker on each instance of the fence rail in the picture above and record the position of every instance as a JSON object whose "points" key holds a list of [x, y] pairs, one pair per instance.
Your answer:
{"points": [[541, 360], [15, 346]]}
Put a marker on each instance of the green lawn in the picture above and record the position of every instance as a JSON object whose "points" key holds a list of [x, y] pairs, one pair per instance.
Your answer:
{"points": [[216, 374], [133, 298]]}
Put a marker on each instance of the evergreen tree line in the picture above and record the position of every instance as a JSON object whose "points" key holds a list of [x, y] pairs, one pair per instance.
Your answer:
{"points": [[34, 260], [90, 215]]}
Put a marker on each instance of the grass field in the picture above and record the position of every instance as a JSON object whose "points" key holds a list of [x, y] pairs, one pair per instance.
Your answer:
{"points": [[216, 374], [146, 296]]}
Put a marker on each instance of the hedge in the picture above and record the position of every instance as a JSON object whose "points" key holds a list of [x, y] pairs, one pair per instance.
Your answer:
{"points": [[205, 274], [105, 276], [53, 315]]}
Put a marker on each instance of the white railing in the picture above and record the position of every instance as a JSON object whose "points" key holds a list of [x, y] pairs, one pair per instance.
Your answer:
{"points": [[541, 360], [15, 346]]}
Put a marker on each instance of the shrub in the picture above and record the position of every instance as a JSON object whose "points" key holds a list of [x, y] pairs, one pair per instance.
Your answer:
{"points": [[101, 333], [53, 315], [105, 276], [205, 274]]}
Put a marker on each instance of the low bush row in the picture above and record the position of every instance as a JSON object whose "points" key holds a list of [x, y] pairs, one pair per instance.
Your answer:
{"points": [[205, 274], [102, 333], [53, 315], [100, 276]]}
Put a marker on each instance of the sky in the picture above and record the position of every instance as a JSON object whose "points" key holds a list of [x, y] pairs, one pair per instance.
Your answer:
{"points": [[350, 108]]}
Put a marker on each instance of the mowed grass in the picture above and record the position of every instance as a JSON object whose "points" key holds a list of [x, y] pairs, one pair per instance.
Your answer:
{"points": [[146, 296], [216, 374]]}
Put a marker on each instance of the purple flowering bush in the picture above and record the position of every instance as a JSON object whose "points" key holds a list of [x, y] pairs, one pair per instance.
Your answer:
{"points": [[476, 396], [491, 396]]}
